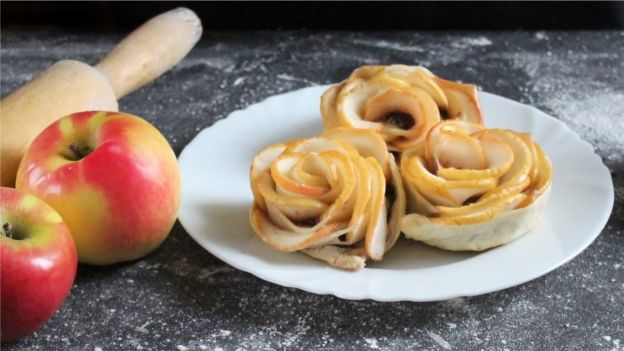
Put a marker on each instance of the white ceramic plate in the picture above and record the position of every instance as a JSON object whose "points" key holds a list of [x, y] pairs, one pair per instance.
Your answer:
{"points": [[216, 197]]}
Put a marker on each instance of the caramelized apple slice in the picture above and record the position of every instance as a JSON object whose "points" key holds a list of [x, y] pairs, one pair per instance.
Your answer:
{"points": [[422, 78], [463, 102]]}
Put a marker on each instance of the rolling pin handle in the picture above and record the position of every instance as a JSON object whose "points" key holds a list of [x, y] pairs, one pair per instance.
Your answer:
{"points": [[151, 50]]}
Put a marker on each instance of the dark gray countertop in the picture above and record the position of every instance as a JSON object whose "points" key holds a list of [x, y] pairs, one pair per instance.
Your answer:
{"points": [[182, 298]]}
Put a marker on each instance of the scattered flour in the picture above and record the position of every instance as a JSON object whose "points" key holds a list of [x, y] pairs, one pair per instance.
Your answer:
{"points": [[383, 44], [472, 41], [590, 108], [142, 328], [372, 343], [284, 76], [287, 77], [458, 302], [238, 81], [541, 36], [218, 63], [183, 268], [438, 339], [597, 116], [207, 272], [478, 41]]}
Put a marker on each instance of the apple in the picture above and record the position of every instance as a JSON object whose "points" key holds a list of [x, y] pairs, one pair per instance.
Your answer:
{"points": [[38, 263], [112, 177]]}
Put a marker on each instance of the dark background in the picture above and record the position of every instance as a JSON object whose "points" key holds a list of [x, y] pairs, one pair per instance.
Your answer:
{"points": [[106, 16]]}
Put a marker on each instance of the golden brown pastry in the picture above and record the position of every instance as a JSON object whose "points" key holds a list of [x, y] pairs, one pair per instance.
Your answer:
{"points": [[327, 197], [400, 102], [473, 188]]}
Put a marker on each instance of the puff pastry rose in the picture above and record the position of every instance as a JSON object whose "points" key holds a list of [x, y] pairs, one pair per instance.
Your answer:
{"points": [[400, 102], [472, 188], [336, 197]]}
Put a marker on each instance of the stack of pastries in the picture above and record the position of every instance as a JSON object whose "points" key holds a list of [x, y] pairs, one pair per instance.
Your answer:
{"points": [[403, 151]]}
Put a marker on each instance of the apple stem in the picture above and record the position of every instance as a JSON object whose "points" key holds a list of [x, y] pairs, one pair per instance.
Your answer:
{"points": [[79, 151], [7, 230]]}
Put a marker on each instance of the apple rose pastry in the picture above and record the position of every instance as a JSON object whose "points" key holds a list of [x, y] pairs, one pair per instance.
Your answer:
{"points": [[400, 102], [337, 197], [472, 188]]}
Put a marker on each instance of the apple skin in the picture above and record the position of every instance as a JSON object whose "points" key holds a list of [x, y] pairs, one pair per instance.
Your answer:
{"points": [[37, 271], [120, 201]]}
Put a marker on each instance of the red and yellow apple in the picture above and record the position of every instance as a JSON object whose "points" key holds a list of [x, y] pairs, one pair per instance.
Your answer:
{"points": [[112, 177], [38, 263]]}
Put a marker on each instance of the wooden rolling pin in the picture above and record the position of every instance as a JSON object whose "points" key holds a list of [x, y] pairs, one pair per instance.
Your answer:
{"points": [[71, 86]]}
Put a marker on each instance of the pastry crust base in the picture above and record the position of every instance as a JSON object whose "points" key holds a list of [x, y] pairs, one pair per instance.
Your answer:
{"points": [[349, 259], [502, 229]]}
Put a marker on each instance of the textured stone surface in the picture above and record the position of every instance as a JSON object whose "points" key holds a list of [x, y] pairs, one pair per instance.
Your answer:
{"points": [[182, 298]]}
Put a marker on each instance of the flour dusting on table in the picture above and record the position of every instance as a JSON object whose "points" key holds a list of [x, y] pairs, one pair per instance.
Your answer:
{"points": [[591, 108]]}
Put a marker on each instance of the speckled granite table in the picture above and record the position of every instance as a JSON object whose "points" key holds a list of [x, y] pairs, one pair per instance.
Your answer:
{"points": [[182, 298]]}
